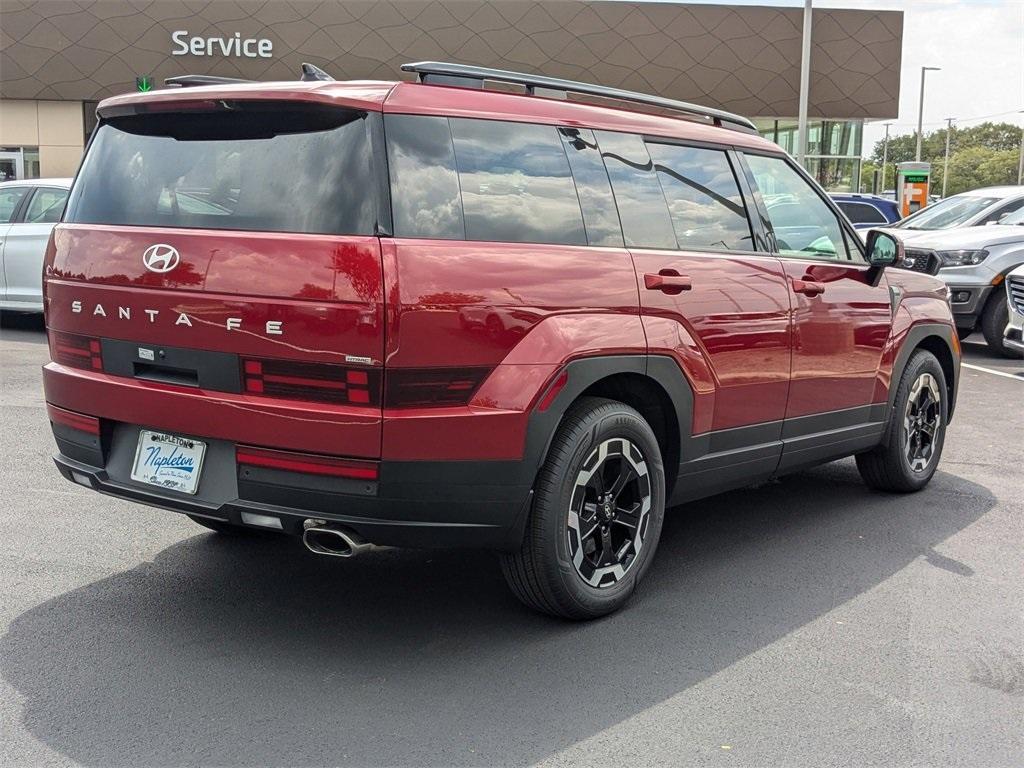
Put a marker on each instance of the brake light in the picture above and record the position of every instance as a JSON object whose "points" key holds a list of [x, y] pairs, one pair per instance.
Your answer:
{"points": [[432, 387], [76, 351], [322, 382], [78, 421], [305, 462]]}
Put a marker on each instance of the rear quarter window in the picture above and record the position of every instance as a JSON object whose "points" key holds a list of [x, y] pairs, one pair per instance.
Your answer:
{"points": [[267, 167]]}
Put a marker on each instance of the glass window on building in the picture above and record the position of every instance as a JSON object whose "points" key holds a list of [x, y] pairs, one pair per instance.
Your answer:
{"points": [[834, 149], [19, 163]]}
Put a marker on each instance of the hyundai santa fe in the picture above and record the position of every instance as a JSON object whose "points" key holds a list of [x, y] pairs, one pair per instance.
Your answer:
{"points": [[436, 314]]}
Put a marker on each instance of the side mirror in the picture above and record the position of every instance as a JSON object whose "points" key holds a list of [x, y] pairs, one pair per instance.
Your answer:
{"points": [[883, 250]]}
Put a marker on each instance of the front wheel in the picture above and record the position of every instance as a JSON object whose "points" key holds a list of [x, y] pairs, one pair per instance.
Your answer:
{"points": [[596, 517], [993, 323], [913, 439]]}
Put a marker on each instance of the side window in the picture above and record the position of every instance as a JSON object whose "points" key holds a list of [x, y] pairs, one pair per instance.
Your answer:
{"points": [[9, 199], [703, 197], [425, 199], [641, 203], [1003, 211], [46, 206], [516, 184], [861, 213], [600, 215], [804, 225]]}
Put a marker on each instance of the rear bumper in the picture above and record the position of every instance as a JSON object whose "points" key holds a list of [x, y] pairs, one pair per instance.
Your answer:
{"points": [[412, 504]]}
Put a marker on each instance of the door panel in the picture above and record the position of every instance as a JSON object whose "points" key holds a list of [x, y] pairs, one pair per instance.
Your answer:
{"points": [[838, 336], [24, 248], [737, 310]]}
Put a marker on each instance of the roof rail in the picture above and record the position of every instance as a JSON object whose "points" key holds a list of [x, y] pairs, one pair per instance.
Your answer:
{"points": [[468, 76], [189, 81]]}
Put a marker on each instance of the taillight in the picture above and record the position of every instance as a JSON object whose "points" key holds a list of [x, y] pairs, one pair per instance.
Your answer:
{"points": [[322, 382], [76, 351], [432, 387], [305, 462], [78, 421]]}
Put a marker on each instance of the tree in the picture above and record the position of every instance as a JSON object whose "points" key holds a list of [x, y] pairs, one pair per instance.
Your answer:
{"points": [[979, 156]]}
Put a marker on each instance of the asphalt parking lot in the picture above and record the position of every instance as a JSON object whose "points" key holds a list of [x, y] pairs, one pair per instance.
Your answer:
{"points": [[806, 622]]}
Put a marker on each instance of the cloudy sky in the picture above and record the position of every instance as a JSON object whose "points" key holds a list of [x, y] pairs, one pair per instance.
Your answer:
{"points": [[978, 43]]}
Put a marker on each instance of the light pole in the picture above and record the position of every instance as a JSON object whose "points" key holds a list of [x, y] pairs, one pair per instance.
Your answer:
{"points": [[945, 163], [885, 155], [1020, 162], [805, 85], [920, 111]]}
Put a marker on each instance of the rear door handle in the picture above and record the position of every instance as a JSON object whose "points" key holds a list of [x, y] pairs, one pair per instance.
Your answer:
{"points": [[667, 281], [808, 287]]}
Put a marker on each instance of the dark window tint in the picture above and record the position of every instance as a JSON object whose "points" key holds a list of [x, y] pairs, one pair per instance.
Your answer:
{"points": [[259, 166], [9, 199], [46, 206], [703, 198], [803, 223], [516, 184], [861, 213], [641, 203], [595, 191], [425, 199]]}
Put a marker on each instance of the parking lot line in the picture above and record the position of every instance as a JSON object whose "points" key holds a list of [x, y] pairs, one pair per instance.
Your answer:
{"points": [[1014, 376]]}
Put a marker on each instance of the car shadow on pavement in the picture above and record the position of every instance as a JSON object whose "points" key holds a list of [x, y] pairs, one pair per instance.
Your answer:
{"points": [[252, 651]]}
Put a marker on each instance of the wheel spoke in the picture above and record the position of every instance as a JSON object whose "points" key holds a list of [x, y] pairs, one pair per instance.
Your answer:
{"points": [[626, 474], [628, 516], [607, 548]]}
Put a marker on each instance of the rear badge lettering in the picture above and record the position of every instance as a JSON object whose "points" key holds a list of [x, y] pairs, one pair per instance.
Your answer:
{"points": [[270, 328], [146, 354]]}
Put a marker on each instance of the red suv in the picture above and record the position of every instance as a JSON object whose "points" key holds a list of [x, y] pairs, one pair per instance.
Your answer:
{"points": [[440, 314]]}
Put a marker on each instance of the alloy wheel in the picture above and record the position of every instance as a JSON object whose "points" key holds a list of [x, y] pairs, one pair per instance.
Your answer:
{"points": [[921, 421], [609, 512]]}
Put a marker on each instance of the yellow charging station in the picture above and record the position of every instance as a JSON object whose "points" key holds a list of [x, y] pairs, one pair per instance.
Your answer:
{"points": [[912, 183]]}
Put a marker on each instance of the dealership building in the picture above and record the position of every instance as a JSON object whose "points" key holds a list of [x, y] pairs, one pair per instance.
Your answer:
{"points": [[58, 59]]}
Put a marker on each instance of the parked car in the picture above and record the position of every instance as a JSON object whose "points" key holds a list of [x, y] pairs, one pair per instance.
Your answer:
{"points": [[29, 209], [867, 211], [974, 263], [978, 207], [692, 314]]}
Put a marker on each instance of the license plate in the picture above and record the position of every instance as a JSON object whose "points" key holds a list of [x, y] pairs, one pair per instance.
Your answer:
{"points": [[168, 461]]}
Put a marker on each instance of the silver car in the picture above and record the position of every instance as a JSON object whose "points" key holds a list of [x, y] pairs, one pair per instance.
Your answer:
{"points": [[29, 209]]}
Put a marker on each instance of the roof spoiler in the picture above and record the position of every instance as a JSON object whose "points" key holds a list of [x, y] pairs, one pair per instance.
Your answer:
{"points": [[310, 73], [467, 76]]}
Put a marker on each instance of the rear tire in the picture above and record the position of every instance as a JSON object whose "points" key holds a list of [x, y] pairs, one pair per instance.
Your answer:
{"points": [[222, 527], [913, 438], [597, 512], [993, 323]]}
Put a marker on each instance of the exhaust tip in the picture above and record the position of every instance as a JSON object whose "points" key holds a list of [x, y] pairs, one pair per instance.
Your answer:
{"points": [[332, 541]]}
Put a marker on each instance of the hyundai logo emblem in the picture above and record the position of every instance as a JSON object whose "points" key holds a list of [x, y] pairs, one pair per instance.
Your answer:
{"points": [[160, 257]]}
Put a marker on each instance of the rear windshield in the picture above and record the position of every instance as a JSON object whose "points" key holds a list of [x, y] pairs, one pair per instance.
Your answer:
{"points": [[258, 166]]}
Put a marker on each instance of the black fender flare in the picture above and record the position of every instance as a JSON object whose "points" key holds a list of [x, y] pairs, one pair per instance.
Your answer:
{"points": [[915, 336]]}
